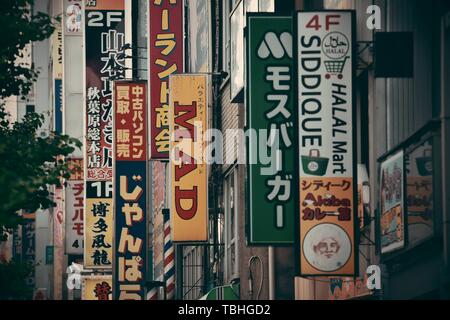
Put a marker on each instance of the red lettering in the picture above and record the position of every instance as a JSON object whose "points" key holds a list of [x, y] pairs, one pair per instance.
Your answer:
{"points": [[184, 113], [186, 214], [187, 165], [329, 22]]}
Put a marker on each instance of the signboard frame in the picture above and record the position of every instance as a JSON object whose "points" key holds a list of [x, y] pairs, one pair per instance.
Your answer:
{"points": [[298, 242], [145, 251], [292, 149], [399, 156], [206, 166], [153, 51], [94, 278]]}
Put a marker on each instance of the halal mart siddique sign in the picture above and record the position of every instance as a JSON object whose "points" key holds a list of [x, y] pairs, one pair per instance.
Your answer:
{"points": [[326, 162]]}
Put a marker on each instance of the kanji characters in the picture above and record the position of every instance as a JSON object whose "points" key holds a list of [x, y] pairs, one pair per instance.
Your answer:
{"points": [[102, 290], [100, 258]]}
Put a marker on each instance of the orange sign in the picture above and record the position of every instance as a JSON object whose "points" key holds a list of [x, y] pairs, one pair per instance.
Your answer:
{"points": [[189, 178], [327, 223], [97, 288]]}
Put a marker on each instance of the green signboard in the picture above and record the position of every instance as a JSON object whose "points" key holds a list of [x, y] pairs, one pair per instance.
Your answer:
{"points": [[270, 124]]}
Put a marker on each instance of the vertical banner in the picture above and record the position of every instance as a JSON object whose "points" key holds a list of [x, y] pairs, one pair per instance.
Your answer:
{"points": [[392, 203], [98, 235], [74, 205], [104, 39], [325, 47], [17, 243], [188, 168], [29, 247], [57, 67], [73, 83], [96, 288], [58, 105], [166, 57], [130, 193], [270, 112]]}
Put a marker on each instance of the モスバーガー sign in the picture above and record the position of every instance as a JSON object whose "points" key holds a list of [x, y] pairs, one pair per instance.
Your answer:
{"points": [[270, 102]]}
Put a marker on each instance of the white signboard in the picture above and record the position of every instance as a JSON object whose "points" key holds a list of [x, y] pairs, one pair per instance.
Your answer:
{"points": [[326, 162], [74, 217]]}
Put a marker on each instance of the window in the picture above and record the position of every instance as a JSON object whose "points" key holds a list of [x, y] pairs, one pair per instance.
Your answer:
{"points": [[234, 49], [231, 226], [237, 53], [192, 272], [226, 10]]}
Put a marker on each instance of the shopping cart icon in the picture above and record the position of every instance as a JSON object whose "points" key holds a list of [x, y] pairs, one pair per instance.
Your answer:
{"points": [[335, 67]]}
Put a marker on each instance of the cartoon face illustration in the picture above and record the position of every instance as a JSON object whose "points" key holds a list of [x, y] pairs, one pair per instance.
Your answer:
{"points": [[327, 247]]}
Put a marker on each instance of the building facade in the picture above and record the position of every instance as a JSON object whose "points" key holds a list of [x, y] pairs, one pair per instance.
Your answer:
{"points": [[395, 115]]}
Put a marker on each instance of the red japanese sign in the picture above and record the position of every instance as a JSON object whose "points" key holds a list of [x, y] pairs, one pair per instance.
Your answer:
{"points": [[166, 58], [104, 42], [130, 100]]}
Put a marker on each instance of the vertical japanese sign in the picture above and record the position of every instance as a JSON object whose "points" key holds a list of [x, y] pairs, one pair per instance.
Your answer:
{"points": [[104, 38], [57, 67], [17, 243], [130, 193], [96, 288], [166, 57], [104, 41], [29, 247], [270, 111], [392, 203], [326, 139], [188, 168], [74, 201], [98, 236]]}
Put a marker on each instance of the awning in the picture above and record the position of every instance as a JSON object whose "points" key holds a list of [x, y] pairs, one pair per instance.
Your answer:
{"points": [[228, 292]]}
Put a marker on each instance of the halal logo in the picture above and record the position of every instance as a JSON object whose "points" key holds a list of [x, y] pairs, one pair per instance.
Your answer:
{"points": [[335, 45]]}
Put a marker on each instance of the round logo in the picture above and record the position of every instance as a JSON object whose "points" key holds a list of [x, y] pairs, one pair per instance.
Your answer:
{"points": [[313, 166], [335, 45], [327, 247]]}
